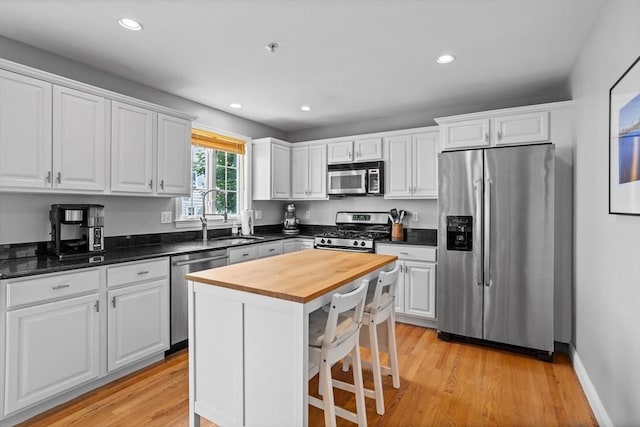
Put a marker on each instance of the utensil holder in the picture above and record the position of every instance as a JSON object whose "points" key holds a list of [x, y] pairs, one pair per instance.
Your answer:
{"points": [[397, 232]]}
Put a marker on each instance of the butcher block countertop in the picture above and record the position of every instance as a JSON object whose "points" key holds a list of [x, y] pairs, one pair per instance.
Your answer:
{"points": [[297, 276]]}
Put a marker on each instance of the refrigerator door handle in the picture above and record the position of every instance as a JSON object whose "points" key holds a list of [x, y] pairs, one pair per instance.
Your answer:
{"points": [[487, 233], [478, 228]]}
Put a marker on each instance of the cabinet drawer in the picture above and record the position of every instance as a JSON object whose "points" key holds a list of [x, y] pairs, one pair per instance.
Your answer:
{"points": [[136, 272], [51, 287], [408, 252], [244, 253], [270, 249]]}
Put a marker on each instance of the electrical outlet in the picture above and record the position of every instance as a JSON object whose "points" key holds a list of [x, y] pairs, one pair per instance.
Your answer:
{"points": [[307, 214], [258, 214], [165, 217], [414, 216]]}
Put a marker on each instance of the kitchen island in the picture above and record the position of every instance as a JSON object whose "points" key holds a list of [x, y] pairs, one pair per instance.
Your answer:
{"points": [[248, 333]]}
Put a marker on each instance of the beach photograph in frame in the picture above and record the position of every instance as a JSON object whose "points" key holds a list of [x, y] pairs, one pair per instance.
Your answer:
{"points": [[624, 143]]}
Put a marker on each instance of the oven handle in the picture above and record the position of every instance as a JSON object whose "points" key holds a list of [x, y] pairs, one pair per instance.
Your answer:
{"points": [[344, 249]]}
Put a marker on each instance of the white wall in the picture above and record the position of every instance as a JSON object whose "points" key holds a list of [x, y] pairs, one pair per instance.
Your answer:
{"points": [[607, 247]]}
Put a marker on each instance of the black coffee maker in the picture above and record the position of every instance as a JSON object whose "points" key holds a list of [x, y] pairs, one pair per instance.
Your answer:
{"points": [[76, 230]]}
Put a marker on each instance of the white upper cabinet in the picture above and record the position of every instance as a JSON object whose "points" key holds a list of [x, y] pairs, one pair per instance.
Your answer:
{"points": [[68, 137], [360, 150], [79, 135], [271, 170], [521, 128], [25, 132], [131, 148], [174, 155], [411, 170], [309, 172], [523, 125]]}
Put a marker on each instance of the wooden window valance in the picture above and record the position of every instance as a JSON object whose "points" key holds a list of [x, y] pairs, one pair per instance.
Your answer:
{"points": [[203, 138]]}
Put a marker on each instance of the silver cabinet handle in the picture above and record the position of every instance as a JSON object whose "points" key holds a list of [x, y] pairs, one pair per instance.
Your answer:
{"points": [[404, 253], [97, 306], [245, 254], [55, 288], [59, 177], [151, 183], [113, 302], [486, 136], [48, 178], [162, 184], [200, 260], [272, 249], [499, 135], [140, 273]]}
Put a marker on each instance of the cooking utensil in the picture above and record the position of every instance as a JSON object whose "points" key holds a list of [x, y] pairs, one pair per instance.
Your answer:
{"points": [[391, 219], [402, 214], [394, 214]]}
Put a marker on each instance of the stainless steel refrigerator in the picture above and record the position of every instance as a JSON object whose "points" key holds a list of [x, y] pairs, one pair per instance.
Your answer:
{"points": [[495, 276]]}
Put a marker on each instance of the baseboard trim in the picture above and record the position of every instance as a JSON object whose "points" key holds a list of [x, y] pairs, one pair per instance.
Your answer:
{"points": [[589, 390]]}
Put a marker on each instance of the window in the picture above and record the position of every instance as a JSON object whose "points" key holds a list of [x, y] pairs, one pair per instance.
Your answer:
{"points": [[216, 173]]}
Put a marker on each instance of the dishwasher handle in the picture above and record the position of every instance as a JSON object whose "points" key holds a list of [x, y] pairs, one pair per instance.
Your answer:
{"points": [[200, 260]]}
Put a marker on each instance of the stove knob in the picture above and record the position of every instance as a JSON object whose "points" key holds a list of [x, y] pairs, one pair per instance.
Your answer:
{"points": [[329, 241], [322, 241], [355, 243], [361, 243]]}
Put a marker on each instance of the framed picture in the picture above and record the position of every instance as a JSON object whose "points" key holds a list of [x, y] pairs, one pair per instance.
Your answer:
{"points": [[624, 143]]}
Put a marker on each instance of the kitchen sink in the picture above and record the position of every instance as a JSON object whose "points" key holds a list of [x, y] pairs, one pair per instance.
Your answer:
{"points": [[229, 241]]}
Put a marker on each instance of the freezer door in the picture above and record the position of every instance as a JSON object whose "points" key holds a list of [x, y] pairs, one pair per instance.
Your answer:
{"points": [[459, 272], [518, 264]]}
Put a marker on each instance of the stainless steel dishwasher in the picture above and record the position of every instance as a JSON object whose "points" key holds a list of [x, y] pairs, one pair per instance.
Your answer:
{"points": [[181, 266]]}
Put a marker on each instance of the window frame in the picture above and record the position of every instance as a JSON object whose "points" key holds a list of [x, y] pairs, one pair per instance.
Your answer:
{"points": [[242, 189]]}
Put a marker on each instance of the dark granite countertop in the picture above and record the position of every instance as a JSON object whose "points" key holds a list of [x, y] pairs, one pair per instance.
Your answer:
{"points": [[42, 264]]}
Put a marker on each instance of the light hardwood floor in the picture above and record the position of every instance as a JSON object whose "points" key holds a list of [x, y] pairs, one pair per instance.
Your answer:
{"points": [[442, 383]]}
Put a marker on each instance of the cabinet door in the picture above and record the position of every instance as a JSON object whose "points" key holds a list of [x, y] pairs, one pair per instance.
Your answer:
{"points": [[340, 152], [78, 140], [398, 174], [25, 132], [300, 173], [280, 171], [131, 148], [521, 128], [270, 249], [318, 172], [465, 134], [420, 297], [243, 253], [174, 156], [368, 149], [50, 349], [138, 322], [425, 165]]}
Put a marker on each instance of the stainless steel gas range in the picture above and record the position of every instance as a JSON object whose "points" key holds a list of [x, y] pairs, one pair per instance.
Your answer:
{"points": [[356, 232]]}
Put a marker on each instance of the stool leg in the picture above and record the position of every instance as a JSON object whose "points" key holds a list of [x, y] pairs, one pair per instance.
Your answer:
{"points": [[359, 387], [327, 397], [375, 362], [393, 352]]}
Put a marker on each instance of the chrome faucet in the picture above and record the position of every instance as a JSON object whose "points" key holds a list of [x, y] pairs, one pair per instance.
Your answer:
{"points": [[203, 218]]}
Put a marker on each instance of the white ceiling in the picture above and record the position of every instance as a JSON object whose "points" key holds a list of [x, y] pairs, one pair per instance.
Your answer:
{"points": [[350, 60]]}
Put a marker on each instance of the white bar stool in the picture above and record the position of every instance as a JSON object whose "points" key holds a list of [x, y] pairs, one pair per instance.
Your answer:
{"points": [[332, 336], [379, 308]]}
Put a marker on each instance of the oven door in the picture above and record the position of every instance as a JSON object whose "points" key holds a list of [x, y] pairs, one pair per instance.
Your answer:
{"points": [[347, 182]]}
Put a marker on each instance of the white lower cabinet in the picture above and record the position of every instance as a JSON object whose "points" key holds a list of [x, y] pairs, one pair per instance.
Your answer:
{"points": [[416, 288], [138, 312], [243, 253], [51, 348], [138, 324]]}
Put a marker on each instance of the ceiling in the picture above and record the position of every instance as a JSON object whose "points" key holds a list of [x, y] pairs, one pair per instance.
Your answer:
{"points": [[349, 60]]}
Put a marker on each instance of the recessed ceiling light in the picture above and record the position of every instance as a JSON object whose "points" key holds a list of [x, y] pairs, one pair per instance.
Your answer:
{"points": [[130, 24], [235, 105], [305, 108], [445, 59]]}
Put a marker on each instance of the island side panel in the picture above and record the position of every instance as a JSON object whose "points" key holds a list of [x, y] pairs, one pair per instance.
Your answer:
{"points": [[218, 347], [276, 352]]}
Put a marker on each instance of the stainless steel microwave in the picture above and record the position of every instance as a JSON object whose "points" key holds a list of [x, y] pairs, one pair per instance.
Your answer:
{"points": [[356, 179]]}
